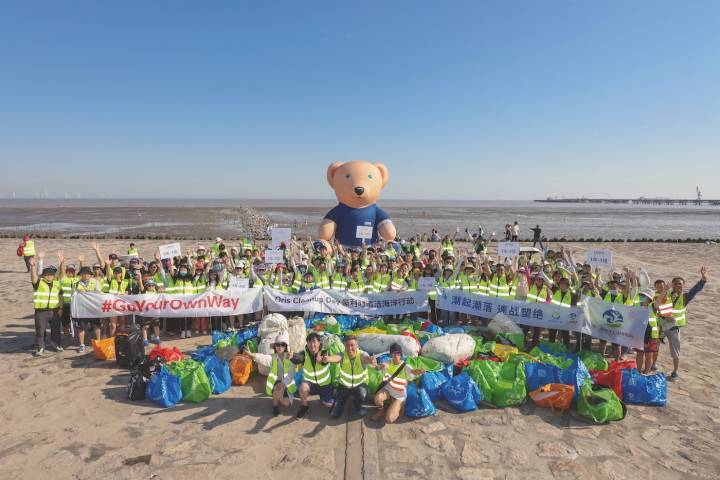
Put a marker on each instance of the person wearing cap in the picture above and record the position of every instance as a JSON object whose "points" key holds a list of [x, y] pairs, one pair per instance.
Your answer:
{"points": [[352, 377], [150, 288], [397, 374], [88, 283], [68, 281], [447, 244], [280, 382], [319, 271], [132, 251], [644, 358], [119, 285], [317, 379], [680, 301], [612, 295], [447, 279], [215, 247], [182, 283], [28, 250], [47, 301], [537, 293]]}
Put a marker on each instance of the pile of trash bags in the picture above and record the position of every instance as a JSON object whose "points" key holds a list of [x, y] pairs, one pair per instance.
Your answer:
{"points": [[461, 371]]}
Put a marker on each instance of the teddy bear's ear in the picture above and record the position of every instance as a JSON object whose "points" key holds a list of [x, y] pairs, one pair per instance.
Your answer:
{"points": [[383, 172], [331, 171]]}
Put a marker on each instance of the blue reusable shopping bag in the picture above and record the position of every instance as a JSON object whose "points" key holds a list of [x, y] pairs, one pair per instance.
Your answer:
{"points": [[418, 403], [462, 393], [644, 389], [433, 382], [218, 372], [164, 389]]}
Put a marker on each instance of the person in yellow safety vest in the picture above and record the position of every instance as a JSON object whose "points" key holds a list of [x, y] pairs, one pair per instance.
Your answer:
{"points": [[280, 383], [394, 387], [132, 251], [339, 279], [413, 279], [500, 284], [247, 244], [315, 373], [398, 279], [680, 301], [47, 301], [356, 282], [468, 280], [68, 281], [537, 293], [352, 377], [652, 334], [390, 251], [368, 277], [562, 297], [149, 288], [447, 246], [182, 284], [320, 273], [215, 247], [276, 278], [200, 324], [87, 283], [28, 250], [118, 286], [382, 279]]}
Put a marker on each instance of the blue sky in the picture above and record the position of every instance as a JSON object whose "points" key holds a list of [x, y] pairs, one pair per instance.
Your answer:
{"points": [[462, 99]]}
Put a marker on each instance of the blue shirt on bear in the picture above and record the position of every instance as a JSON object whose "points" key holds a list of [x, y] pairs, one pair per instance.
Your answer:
{"points": [[347, 219]]}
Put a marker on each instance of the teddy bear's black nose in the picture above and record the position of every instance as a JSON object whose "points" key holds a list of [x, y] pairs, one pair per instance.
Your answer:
{"points": [[359, 191]]}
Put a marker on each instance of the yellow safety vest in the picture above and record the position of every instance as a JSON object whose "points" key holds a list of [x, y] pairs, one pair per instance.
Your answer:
{"points": [[46, 296]]}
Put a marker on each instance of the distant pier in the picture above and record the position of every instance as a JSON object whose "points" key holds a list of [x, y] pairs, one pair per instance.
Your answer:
{"points": [[634, 201]]}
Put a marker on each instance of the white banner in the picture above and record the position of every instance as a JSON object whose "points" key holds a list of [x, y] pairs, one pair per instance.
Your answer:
{"points": [[207, 304], [508, 249], [345, 303], [534, 314], [170, 250], [616, 323], [599, 258]]}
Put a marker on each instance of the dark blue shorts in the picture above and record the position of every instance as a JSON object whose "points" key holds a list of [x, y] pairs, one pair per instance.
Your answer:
{"points": [[326, 392]]}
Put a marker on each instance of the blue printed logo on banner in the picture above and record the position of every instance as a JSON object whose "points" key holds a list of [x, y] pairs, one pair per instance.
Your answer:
{"points": [[613, 318]]}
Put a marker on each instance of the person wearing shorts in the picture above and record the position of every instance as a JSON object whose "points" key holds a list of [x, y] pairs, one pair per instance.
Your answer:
{"points": [[87, 283], [316, 374], [394, 392], [645, 355]]}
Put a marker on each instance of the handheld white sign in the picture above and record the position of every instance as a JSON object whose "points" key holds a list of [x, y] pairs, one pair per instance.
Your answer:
{"points": [[239, 283], [364, 231], [170, 250], [273, 257], [280, 235], [599, 258], [508, 249], [426, 283]]}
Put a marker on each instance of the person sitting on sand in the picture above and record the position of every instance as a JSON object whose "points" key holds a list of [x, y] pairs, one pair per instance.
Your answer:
{"points": [[393, 389], [353, 377], [280, 381], [316, 374]]}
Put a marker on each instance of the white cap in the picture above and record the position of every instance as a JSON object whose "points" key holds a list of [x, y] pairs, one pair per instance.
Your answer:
{"points": [[218, 239], [282, 337], [200, 247]]}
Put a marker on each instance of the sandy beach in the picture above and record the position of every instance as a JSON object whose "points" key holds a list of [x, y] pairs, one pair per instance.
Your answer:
{"points": [[66, 415]]}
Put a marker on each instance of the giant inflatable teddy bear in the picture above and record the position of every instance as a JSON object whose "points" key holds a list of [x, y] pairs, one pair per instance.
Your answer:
{"points": [[357, 186]]}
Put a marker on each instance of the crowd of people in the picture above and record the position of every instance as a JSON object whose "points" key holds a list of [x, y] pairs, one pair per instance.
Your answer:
{"points": [[551, 276]]}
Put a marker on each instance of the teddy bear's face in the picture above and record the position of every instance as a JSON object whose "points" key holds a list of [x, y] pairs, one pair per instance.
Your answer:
{"points": [[357, 184]]}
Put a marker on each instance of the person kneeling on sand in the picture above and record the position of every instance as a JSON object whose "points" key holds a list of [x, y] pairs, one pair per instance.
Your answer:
{"points": [[316, 374], [280, 381], [352, 377], [394, 385]]}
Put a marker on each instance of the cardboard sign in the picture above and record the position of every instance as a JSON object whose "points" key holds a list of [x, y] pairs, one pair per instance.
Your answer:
{"points": [[508, 249], [364, 231], [426, 283], [279, 236], [274, 256], [238, 283], [599, 258], [170, 250]]}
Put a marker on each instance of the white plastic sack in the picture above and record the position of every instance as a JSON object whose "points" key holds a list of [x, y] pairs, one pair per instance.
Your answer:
{"points": [[449, 348], [501, 323], [373, 343], [296, 332], [272, 324], [265, 347]]}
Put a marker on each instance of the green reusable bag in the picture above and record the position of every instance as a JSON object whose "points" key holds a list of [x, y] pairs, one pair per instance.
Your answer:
{"points": [[194, 383], [599, 404], [594, 361], [502, 383], [252, 345], [517, 339], [425, 363], [550, 359], [482, 347], [375, 377], [335, 347], [554, 347]]}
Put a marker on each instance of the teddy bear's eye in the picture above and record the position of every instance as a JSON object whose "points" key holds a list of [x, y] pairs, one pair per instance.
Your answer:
{"points": [[370, 176], [347, 175]]}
